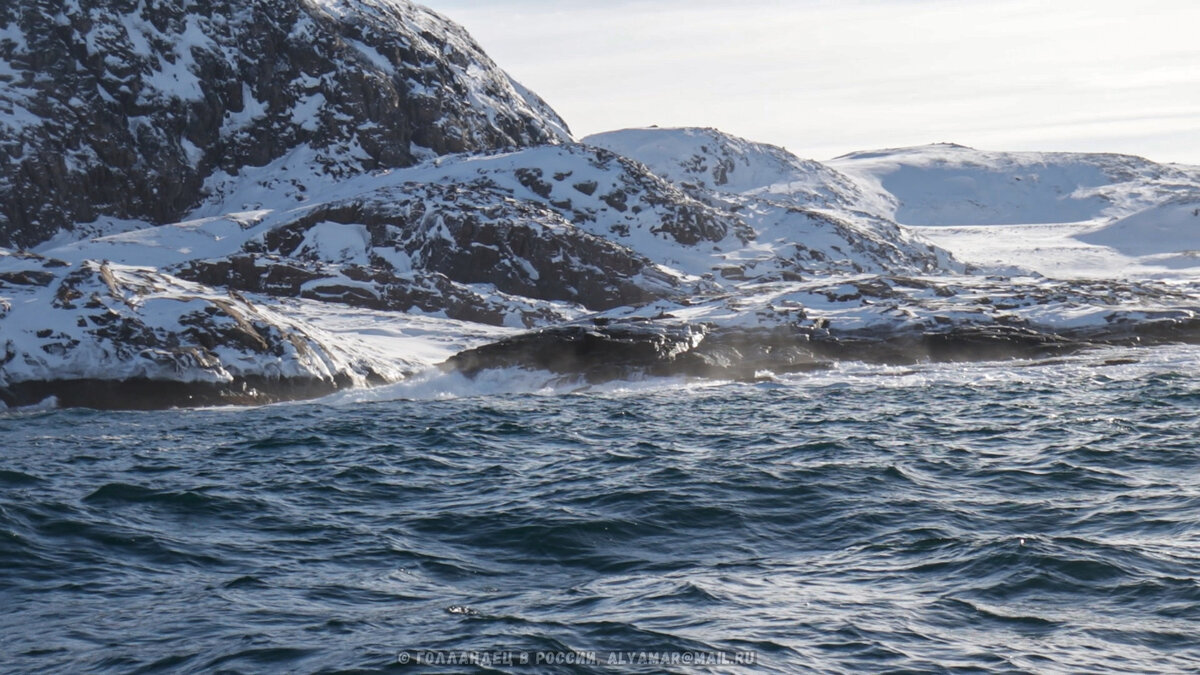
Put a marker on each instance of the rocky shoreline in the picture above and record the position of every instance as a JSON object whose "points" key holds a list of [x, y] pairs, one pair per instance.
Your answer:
{"points": [[601, 353], [148, 394], [274, 201]]}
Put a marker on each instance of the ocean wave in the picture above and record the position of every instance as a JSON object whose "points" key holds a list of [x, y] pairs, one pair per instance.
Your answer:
{"points": [[1032, 517]]}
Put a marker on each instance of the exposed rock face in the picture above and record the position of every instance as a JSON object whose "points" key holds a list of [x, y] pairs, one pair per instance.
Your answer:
{"points": [[367, 287], [125, 108], [596, 353], [623, 350], [627, 350], [800, 326], [139, 393], [568, 232]]}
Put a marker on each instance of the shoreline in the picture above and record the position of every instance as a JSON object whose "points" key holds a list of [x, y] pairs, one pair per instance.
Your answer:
{"points": [[601, 352]]}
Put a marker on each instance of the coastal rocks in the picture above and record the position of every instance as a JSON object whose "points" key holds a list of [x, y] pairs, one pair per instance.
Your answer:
{"points": [[481, 225], [240, 201], [139, 393], [172, 342], [567, 223], [502, 221], [800, 326], [630, 350], [595, 353], [624, 351], [138, 110]]}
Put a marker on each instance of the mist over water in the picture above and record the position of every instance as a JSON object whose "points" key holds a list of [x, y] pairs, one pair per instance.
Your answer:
{"points": [[993, 517]]}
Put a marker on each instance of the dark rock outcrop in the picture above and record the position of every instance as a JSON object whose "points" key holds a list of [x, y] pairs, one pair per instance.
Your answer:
{"points": [[159, 394], [596, 353], [369, 287], [612, 351]]}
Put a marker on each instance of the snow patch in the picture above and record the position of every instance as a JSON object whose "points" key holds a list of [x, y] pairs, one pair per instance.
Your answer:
{"points": [[1171, 228], [336, 243]]}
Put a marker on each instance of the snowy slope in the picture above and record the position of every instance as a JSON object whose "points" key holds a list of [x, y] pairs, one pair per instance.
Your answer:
{"points": [[788, 200], [948, 184], [1170, 229], [1066, 215], [563, 223], [407, 265], [708, 158], [1113, 236]]}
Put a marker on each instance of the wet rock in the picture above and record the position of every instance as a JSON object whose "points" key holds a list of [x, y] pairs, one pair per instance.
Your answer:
{"points": [[155, 394], [597, 353], [606, 350]]}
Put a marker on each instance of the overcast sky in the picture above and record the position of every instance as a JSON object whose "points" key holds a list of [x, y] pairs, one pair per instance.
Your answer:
{"points": [[825, 77]]}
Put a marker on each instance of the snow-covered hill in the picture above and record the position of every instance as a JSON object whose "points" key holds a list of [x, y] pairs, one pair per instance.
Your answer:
{"points": [[948, 184], [138, 110], [708, 158], [239, 201], [789, 200], [1117, 234], [1066, 215], [1168, 232], [565, 223]]}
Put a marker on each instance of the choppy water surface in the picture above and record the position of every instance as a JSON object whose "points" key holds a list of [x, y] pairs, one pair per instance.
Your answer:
{"points": [[983, 518]]}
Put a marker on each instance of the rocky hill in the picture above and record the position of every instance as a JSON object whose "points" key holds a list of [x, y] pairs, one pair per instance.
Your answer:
{"points": [[842, 222], [140, 110], [242, 201]]}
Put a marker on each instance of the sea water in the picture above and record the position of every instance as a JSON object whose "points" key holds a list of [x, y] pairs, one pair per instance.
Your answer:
{"points": [[990, 517]]}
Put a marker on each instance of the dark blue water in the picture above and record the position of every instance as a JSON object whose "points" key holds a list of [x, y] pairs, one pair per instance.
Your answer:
{"points": [[989, 518]]}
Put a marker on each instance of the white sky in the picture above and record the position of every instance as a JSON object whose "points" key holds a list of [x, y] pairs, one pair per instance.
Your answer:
{"points": [[825, 77]]}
